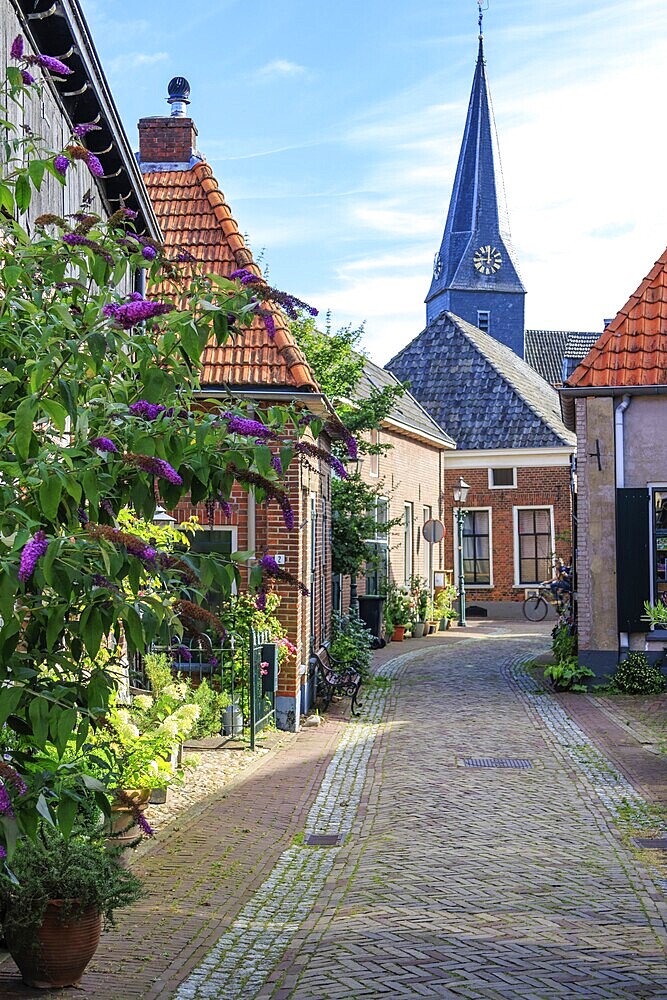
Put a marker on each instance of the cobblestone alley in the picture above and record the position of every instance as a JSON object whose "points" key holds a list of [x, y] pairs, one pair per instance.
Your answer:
{"points": [[439, 875]]}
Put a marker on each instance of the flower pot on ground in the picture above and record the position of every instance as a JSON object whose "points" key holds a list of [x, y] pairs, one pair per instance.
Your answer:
{"points": [[418, 629], [431, 627], [398, 635], [127, 825], [53, 912]]}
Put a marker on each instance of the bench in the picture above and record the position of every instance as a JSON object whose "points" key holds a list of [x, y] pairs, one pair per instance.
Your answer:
{"points": [[336, 678]]}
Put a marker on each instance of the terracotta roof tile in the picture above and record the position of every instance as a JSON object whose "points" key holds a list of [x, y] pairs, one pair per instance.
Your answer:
{"points": [[194, 215], [632, 351]]}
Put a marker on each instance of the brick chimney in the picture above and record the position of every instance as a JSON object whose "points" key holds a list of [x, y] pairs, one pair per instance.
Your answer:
{"points": [[173, 139]]}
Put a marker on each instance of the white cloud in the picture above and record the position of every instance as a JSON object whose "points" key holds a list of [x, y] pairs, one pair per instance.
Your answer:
{"points": [[129, 61], [277, 69]]}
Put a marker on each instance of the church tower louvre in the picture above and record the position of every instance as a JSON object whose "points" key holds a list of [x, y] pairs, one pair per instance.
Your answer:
{"points": [[475, 273]]}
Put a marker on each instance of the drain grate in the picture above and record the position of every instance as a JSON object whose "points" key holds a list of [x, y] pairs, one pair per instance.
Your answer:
{"points": [[323, 839], [513, 762], [651, 843]]}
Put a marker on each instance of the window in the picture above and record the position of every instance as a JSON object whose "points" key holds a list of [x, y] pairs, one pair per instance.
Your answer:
{"points": [[502, 479], [534, 546], [408, 517], [484, 320], [374, 460], [477, 548], [377, 564], [660, 544], [427, 548], [220, 540]]}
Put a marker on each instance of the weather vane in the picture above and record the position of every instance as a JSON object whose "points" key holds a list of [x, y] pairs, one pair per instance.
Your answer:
{"points": [[482, 6]]}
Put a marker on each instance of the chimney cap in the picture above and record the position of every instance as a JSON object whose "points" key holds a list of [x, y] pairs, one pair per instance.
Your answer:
{"points": [[178, 89]]}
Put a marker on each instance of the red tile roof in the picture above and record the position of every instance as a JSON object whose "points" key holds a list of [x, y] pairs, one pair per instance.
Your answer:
{"points": [[632, 351], [193, 214]]}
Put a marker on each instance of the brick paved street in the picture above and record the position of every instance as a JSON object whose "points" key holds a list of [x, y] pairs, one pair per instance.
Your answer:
{"points": [[452, 882]]}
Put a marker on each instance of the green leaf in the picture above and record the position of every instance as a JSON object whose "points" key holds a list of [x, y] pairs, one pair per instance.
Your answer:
{"points": [[134, 630], [67, 810], [10, 275], [90, 629], [56, 411], [6, 199], [49, 496], [38, 712], [65, 728], [24, 419], [9, 700], [22, 192], [14, 76], [36, 170]]}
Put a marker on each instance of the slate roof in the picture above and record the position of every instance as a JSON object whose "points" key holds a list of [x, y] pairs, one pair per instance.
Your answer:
{"points": [[632, 351], [545, 351], [195, 215], [407, 413], [480, 390], [477, 210]]}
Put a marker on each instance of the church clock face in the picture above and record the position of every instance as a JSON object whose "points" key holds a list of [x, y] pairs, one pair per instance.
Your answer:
{"points": [[487, 260], [437, 266]]}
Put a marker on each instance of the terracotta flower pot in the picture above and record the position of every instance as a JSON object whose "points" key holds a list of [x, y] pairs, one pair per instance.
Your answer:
{"points": [[61, 949], [123, 830], [398, 635]]}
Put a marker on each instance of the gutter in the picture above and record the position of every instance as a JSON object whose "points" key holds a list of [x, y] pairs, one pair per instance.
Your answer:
{"points": [[317, 402]]}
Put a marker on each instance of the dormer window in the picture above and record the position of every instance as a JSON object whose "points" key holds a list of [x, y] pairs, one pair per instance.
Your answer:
{"points": [[484, 320]]}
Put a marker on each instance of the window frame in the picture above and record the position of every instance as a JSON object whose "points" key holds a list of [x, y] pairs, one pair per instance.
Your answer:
{"points": [[518, 582], [655, 593], [408, 536], [484, 315], [380, 542], [472, 585], [504, 486]]}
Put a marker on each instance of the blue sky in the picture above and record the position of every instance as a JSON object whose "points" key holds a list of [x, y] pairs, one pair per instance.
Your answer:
{"points": [[334, 131]]}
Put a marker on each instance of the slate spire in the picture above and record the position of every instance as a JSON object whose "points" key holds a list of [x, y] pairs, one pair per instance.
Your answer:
{"points": [[475, 273]]}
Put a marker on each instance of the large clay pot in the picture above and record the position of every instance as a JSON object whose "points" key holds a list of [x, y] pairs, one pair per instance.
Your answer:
{"points": [[398, 635], [123, 830], [61, 949]]}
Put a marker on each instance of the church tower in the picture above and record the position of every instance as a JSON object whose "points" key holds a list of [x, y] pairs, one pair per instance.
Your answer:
{"points": [[475, 274]]}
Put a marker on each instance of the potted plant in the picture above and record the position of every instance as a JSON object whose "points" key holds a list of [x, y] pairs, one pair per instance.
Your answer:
{"points": [[443, 603], [397, 612], [55, 894], [420, 600]]}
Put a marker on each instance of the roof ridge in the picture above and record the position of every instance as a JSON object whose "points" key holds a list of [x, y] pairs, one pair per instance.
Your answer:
{"points": [[496, 345]]}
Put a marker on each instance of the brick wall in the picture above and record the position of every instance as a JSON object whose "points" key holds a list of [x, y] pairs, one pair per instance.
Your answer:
{"points": [[544, 486], [166, 140]]}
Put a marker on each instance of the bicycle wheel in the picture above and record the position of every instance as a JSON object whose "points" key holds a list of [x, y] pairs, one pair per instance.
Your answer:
{"points": [[535, 609]]}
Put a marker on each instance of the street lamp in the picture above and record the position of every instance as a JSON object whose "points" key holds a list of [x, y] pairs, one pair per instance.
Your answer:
{"points": [[162, 518], [460, 497]]}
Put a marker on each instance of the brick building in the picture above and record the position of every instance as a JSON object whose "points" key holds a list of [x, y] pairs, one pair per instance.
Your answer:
{"points": [[255, 368], [617, 401], [409, 477]]}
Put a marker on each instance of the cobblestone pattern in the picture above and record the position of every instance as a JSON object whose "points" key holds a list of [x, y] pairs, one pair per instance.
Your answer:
{"points": [[242, 959], [478, 883]]}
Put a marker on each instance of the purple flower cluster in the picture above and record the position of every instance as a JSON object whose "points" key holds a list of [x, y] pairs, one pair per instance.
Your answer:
{"points": [[27, 78], [156, 467], [83, 517], [135, 311], [272, 491], [46, 62], [304, 448], [144, 825], [78, 152], [103, 444], [5, 803], [10, 776], [260, 600], [269, 323], [16, 51], [289, 303], [149, 253], [32, 551], [107, 507], [271, 568], [244, 425], [226, 508], [3, 852], [149, 411], [245, 276], [277, 464], [98, 580], [80, 130], [181, 653], [76, 240]]}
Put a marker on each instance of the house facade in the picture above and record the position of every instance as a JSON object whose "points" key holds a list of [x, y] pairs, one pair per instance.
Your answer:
{"points": [[261, 370], [408, 478], [616, 399]]}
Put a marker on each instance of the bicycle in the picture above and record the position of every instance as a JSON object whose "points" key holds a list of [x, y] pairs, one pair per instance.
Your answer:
{"points": [[536, 607]]}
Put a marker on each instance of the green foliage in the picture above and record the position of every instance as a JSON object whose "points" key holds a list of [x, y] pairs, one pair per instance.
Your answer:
{"points": [[443, 603], [420, 597], [635, 675], [568, 675], [335, 358], [80, 871], [211, 705], [353, 523], [656, 614], [76, 576], [564, 643], [351, 642], [398, 607]]}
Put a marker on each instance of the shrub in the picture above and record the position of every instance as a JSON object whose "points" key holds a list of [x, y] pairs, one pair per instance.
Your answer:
{"points": [[564, 643], [351, 642], [568, 674], [635, 675], [211, 704]]}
